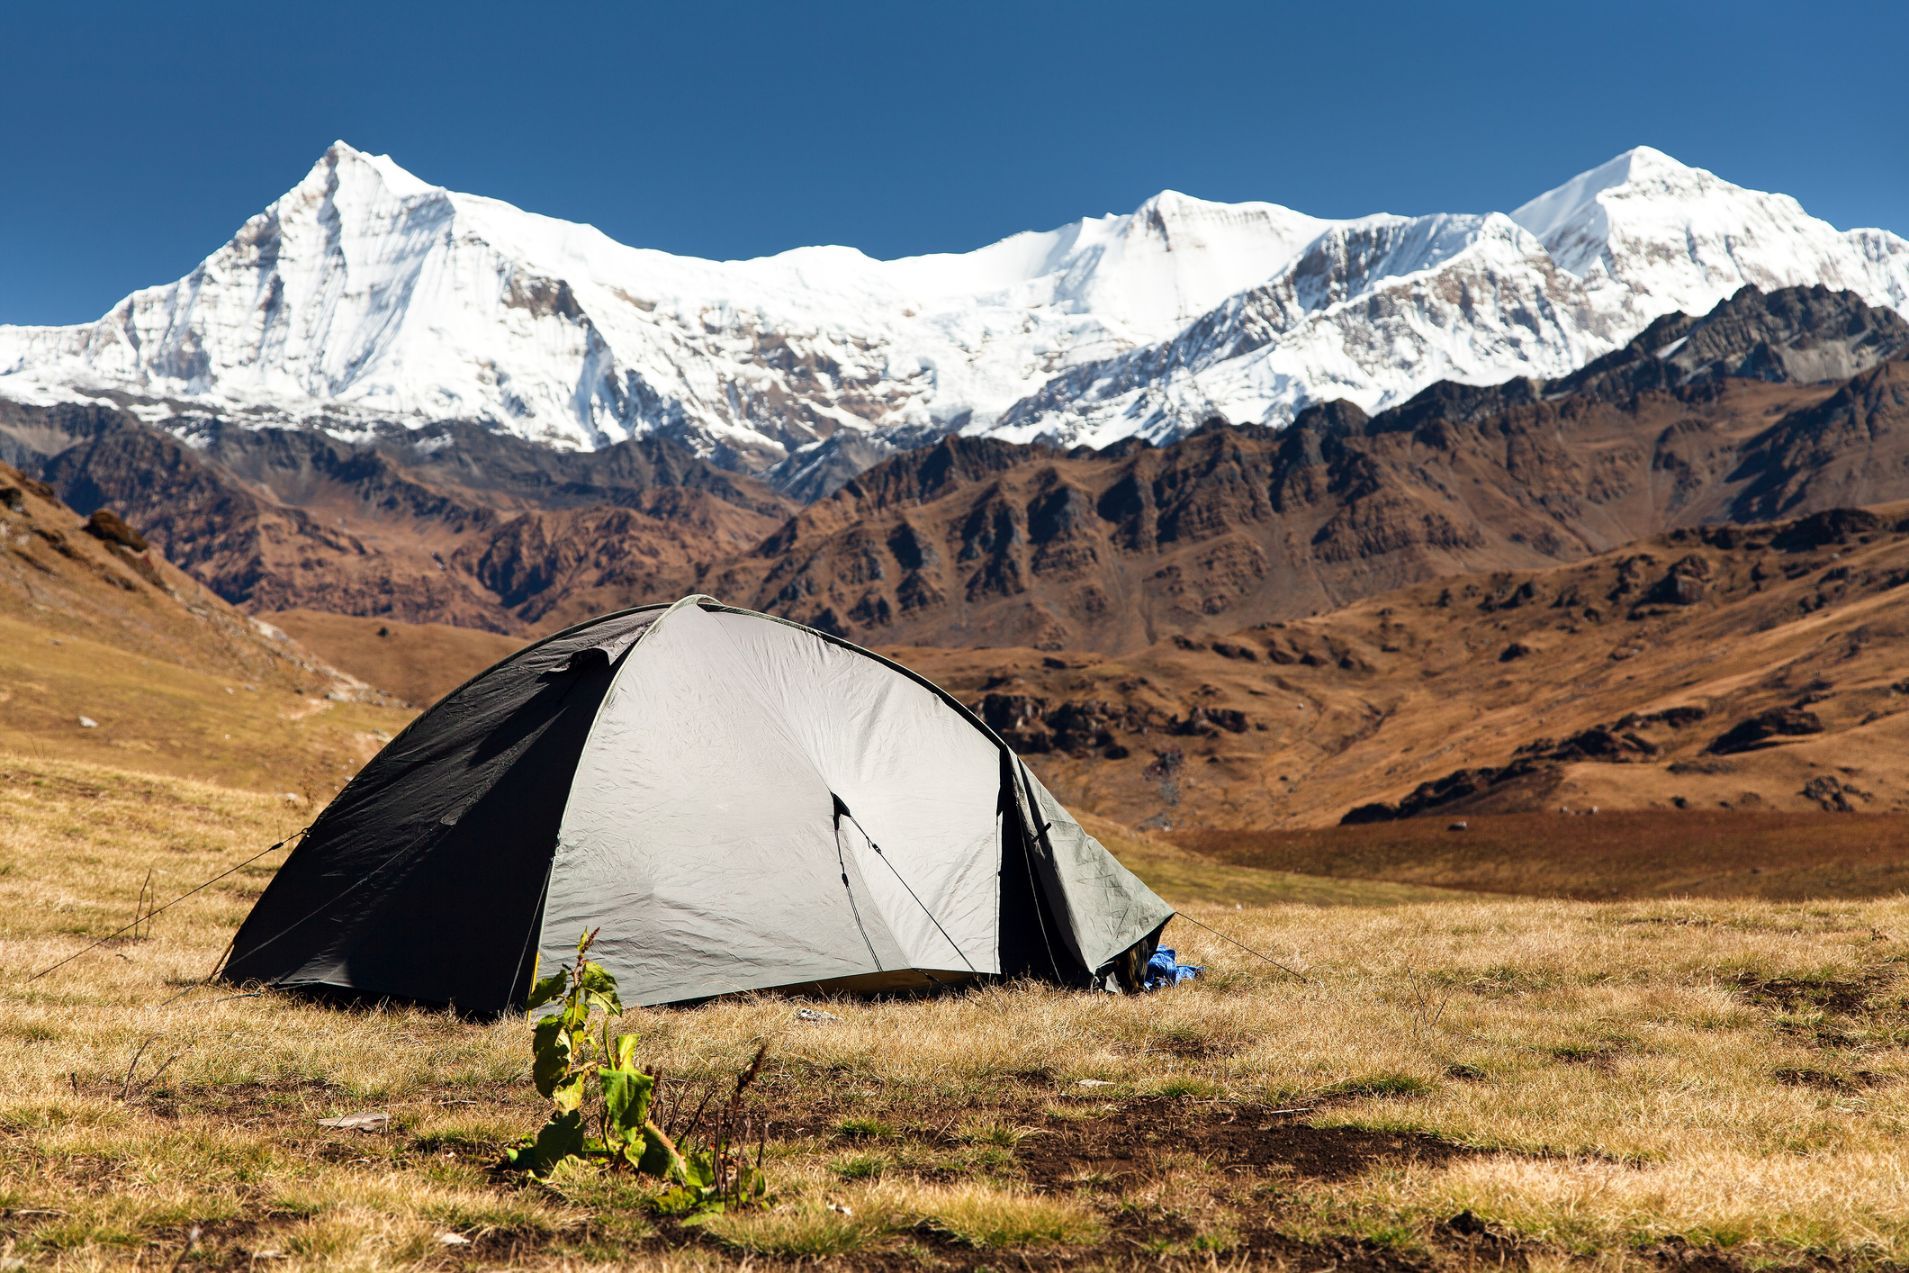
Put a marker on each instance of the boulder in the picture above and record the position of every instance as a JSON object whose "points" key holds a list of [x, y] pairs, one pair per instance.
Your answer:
{"points": [[108, 526], [1764, 728]]}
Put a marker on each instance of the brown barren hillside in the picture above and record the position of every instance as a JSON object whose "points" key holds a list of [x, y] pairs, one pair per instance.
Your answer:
{"points": [[1698, 421], [110, 654], [1728, 668], [453, 524]]}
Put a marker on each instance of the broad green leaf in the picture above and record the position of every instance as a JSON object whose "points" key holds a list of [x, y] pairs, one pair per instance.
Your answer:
{"points": [[550, 1045], [567, 1095], [677, 1201], [560, 1138], [546, 989], [697, 1167], [600, 988], [626, 1052], [659, 1158], [626, 1098]]}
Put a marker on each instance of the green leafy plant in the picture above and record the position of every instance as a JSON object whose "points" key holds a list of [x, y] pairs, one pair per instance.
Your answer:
{"points": [[606, 1110]]}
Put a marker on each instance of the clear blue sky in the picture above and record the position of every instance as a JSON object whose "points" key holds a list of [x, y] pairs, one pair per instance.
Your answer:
{"points": [[138, 136]]}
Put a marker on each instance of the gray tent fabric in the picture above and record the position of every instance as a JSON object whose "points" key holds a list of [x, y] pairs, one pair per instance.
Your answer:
{"points": [[421, 879], [1105, 903], [734, 802]]}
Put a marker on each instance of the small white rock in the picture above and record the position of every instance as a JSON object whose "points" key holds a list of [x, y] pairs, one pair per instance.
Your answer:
{"points": [[371, 1120], [453, 1239], [87, 722]]}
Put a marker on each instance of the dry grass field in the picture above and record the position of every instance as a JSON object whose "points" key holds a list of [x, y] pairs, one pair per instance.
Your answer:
{"points": [[418, 663], [1461, 1080], [1612, 855]]}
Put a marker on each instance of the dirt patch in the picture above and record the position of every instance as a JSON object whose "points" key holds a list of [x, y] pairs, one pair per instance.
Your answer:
{"points": [[238, 1103], [1125, 1143], [1846, 996], [1830, 1081], [1602, 1056]]}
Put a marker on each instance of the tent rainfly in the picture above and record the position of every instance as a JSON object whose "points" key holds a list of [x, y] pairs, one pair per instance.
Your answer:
{"points": [[737, 802]]}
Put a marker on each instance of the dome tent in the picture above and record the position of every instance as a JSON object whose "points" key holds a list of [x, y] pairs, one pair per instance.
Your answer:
{"points": [[737, 802]]}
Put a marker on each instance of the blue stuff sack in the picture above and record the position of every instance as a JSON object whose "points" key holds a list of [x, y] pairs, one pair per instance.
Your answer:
{"points": [[1164, 971]]}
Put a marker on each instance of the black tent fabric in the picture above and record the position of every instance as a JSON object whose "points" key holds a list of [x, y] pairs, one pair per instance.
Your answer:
{"points": [[739, 803]]}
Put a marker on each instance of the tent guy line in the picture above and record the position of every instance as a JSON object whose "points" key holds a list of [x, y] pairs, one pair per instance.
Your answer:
{"points": [[144, 916], [1289, 971]]}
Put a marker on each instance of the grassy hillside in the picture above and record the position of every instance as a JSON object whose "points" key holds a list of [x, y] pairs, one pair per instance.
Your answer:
{"points": [[96, 627], [166, 717], [418, 663], [1624, 854]]}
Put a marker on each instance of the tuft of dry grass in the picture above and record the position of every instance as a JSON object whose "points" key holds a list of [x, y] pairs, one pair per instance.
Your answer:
{"points": [[1596, 1083]]}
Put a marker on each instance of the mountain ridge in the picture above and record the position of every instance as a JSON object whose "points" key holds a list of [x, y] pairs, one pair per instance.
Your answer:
{"points": [[973, 541], [368, 301], [1769, 405]]}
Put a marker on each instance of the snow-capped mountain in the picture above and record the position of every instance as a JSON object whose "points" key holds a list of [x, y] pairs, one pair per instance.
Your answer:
{"points": [[1373, 310], [366, 298]]}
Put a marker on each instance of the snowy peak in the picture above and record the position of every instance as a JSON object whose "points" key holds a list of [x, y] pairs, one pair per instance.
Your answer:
{"points": [[1649, 235], [1577, 198], [367, 298], [1178, 220], [1175, 257], [342, 163], [1575, 221]]}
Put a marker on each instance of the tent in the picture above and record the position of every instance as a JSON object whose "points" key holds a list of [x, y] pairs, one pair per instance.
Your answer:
{"points": [[737, 802]]}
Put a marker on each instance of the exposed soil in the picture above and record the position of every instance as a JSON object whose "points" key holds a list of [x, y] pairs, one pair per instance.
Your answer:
{"points": [[1828, 1081], [1843, 996], [1126, 1142]]}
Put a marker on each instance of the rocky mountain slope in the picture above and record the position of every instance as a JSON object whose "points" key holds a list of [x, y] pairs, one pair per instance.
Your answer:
{"points": [[1770, 404], [451, 523], [1725, 668], [367, 300], [110, 653], [1697, 421]]}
